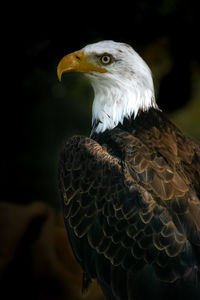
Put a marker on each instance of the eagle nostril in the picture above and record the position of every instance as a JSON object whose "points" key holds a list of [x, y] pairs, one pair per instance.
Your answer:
{"points": [[77, 57]]}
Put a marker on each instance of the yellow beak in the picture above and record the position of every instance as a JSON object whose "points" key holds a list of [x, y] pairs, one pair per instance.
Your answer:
{"points": [[77, 62]]}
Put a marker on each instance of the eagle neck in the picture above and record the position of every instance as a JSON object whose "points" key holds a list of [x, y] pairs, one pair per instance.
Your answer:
{"points": [[112, 104]]}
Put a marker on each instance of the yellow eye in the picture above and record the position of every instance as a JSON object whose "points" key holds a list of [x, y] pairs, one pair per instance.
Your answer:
{"points": [[106, 59]]}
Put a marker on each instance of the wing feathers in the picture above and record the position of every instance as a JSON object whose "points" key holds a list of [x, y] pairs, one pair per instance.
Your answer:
{"points": [[133, 210]]}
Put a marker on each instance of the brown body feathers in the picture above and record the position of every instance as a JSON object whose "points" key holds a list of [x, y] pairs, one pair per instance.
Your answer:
{"points": [[131, 199]]}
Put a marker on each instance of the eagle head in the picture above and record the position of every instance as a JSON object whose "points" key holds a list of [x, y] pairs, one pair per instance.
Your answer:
{"points": [[121, 80]]}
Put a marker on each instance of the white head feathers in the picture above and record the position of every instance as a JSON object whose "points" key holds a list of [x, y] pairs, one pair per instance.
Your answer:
{"points": [[125, 88]]}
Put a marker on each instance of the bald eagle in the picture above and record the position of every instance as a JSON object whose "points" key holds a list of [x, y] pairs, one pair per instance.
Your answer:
{"points": [[131, 191]]}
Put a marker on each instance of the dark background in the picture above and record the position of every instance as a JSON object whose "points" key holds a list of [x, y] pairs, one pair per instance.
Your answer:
{"points": [[39, 113]]}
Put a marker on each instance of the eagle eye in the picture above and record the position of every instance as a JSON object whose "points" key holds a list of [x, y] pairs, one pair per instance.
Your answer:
{"points": [[106, 59]]}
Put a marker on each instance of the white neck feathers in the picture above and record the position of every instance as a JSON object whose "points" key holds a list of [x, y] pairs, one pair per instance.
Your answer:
{"points": [[113, 103]]}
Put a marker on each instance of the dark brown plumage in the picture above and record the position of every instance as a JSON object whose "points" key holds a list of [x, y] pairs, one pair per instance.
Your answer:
{"points": [[132, 208]]}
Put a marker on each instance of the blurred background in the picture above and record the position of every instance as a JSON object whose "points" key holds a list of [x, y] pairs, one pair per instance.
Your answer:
{"points": [[39, 113]]}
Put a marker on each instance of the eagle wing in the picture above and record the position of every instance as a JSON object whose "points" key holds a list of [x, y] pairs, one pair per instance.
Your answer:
{"points": [[132, 209]]}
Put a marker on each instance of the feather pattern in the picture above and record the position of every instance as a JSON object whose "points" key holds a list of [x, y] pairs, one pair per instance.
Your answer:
{"points": [[136, 208]]}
